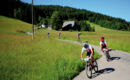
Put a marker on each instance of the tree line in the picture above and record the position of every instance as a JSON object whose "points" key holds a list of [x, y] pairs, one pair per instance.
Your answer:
{"points": [[45, 13]]}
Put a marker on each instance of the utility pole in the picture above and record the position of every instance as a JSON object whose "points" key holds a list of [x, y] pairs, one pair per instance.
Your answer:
{"points": [[32, 23]]}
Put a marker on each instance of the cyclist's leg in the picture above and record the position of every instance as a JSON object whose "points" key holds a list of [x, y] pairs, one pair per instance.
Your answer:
{"points": [[93, 55], [88, 54]]}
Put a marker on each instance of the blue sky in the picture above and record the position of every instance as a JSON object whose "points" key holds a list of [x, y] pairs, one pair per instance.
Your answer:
{"points": [[114, 8]]}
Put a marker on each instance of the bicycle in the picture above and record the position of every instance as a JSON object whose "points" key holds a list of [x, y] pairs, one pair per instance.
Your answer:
{"points": [[106, 54], [90, 65]]}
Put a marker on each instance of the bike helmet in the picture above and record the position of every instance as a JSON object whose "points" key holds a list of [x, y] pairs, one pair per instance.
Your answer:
{"points": [[102, 38], [85, 44]]}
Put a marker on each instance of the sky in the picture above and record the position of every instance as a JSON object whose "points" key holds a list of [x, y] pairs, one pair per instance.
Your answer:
{"points": [[114, 8]]}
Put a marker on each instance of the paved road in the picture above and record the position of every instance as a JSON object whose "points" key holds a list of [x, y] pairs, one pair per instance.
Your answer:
{"points": [[117, 69]]}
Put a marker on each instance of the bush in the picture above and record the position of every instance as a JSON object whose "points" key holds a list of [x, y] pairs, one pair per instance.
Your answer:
{"points": [[56, 20], [84, 26]]}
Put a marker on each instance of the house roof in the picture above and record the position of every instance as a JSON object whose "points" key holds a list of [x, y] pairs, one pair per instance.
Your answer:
{"points": [[68, 23]]}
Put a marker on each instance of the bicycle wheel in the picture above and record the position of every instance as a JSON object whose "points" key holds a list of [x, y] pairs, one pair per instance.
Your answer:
{"points": [[95, 66], [88, 69], [107, 57]]}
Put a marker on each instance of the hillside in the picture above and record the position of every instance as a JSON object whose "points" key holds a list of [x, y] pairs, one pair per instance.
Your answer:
{"points": [[11, 26], [22, 11]]}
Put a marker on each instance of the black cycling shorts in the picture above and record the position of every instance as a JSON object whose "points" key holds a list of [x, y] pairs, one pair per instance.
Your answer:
{"points": [[88, 53], [104, 46]]}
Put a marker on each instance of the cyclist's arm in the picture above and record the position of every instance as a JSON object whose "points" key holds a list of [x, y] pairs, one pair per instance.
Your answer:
{"points": [[91, 52], [106, 45], [82, 51], [101, 46], [81, 56], [91, 55]]}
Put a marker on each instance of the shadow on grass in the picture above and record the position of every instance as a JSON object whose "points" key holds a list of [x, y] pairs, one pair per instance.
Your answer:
{"points": [[103, 71]]}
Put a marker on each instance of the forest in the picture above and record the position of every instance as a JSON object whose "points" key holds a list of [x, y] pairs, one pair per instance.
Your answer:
{"points": [[47, 13]]}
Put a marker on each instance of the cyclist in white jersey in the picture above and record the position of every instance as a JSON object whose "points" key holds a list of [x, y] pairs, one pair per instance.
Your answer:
{"points": [[103, 44], [88, 49]]}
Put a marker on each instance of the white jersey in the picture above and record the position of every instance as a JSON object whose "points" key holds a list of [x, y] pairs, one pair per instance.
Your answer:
{"points": [[86, 49], [102, 43]]}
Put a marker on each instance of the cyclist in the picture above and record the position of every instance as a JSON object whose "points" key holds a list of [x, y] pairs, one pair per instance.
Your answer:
{"points": [[48, 34], [88, 49], [78, 36], [59, 35], [103, 44]]}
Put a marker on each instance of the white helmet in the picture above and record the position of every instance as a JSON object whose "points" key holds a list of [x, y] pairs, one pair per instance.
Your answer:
{"points": [[85, 44]]}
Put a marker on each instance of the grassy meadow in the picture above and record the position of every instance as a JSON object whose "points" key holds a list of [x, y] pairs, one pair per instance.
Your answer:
{"points": [[119, 40], [43, 58]]}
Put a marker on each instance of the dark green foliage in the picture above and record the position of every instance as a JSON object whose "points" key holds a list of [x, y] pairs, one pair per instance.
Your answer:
{"points": [[22, 11], [56, 20], [84, 26], [18, 13], [40, 21], [45, 21], [93, 29]]}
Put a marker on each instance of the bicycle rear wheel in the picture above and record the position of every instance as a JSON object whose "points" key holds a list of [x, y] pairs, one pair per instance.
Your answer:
{"points": [[107, 57]]}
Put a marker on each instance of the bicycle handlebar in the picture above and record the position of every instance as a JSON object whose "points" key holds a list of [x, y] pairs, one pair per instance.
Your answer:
{"points": [[86, 59]]}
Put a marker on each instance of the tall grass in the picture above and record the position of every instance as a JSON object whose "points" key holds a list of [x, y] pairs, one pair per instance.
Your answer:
{"points": [[116, 39], [40, 59]]}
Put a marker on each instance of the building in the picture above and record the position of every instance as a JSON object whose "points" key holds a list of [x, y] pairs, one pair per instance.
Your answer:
{"points": [[68, 25]]}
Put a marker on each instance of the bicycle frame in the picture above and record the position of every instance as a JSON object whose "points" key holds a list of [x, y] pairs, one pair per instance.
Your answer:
{"points": [[89, 60], [106, 54]]}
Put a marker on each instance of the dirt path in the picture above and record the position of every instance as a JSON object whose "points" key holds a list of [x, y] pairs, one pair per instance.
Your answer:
{"points": [[117, 69]]}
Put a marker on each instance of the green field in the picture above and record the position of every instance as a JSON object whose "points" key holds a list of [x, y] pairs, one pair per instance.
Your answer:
{"points": [[119, 40], [43, 58]]}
